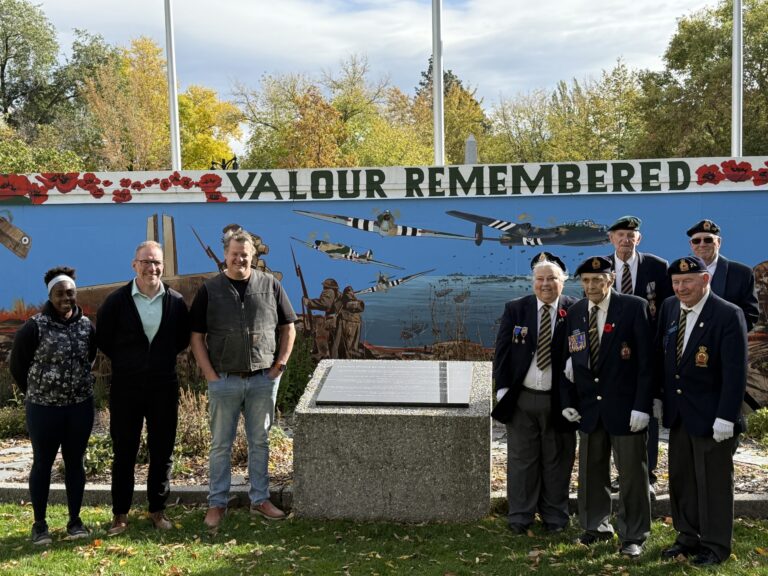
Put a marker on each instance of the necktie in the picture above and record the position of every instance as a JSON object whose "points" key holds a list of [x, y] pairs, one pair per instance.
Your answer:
{"points": [[594, 338], [544, 344], [626, 280], [681, 333]]}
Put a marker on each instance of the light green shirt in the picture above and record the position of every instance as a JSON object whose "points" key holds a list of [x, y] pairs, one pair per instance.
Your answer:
{"points": [[150, 310]]}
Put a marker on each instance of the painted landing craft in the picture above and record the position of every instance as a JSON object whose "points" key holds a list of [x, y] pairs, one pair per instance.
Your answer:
{"points": [[577, 233], [383, 283], [384, 225], [343, 252]]}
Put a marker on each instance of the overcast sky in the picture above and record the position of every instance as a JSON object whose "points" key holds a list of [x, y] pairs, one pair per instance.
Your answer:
{"points": [[500, 47]]}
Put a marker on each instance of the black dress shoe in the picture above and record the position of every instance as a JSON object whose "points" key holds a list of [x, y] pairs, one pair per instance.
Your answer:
{"points": [[631, 549], [553, 528], [589, 538], [518, 528], [706, 557], [677, 549]]}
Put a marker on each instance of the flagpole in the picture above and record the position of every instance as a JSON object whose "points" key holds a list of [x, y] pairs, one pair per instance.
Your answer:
{"points": [[437, 82], [737, 81], [173, 101]]}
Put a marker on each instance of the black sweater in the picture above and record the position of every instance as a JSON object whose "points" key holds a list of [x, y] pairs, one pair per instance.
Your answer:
{"points": [[121, 337]]}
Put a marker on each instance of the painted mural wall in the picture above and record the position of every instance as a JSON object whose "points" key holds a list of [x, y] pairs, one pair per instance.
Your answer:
{"points": [[432, 252]]}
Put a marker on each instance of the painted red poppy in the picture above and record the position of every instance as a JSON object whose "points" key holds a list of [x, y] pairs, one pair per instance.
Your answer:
{"points": [[64, 182], [709, 174], [760, 176], [121, 196], [737, 172]]}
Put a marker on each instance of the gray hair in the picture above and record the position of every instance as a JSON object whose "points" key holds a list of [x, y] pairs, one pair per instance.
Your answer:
{"points": [[145, 244], [559, 272], [238, 235]]}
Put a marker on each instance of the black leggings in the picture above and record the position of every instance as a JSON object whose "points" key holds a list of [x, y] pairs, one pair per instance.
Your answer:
{"points": [[51, 427]]}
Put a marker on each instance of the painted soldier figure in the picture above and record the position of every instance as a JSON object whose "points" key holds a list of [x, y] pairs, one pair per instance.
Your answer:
{"points": [[346, 342], [325, 326]]}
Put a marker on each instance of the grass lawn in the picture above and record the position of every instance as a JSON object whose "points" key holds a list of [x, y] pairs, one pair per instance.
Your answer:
{"points": [[249, 545]]}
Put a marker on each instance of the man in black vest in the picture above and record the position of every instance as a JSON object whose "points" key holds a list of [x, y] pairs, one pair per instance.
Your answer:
{"points": [[541, 444], [141, 328], [235, 318], [702, 352], [609, 342]]}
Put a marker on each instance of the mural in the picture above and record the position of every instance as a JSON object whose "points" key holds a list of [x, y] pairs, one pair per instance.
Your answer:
{"points": [[452, 244]]}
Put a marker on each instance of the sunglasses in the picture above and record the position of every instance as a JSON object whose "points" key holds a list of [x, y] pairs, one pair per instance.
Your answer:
{"points": [[707, 240]]}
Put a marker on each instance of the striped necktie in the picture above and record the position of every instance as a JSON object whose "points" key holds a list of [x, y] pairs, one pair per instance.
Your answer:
{"points": [[594, 338], [681, 333], [544, 344], [626, 280]]}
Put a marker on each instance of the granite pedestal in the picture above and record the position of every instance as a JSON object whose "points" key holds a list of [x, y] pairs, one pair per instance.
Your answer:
{"points": [[402, 463]]}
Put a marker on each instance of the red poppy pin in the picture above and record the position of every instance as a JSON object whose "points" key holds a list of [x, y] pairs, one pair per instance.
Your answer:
{"points": [[608, 328], [562, 313]]}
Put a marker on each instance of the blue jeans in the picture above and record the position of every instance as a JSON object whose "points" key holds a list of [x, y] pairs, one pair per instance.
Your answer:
{"points": [[255, 398]]}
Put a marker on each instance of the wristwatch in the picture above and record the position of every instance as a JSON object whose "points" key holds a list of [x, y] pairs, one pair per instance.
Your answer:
{"points": [[280, 366]]}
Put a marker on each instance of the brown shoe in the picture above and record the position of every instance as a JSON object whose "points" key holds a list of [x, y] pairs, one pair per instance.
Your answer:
{"points": [[119, 525], [267, 510], [214, 516], [160, 520]]}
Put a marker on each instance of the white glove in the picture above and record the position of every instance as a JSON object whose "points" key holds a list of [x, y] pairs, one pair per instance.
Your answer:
{"points": [[722, 430], [638, 421], [571, 414], [569, 369], [658, 409], [500, 393]]}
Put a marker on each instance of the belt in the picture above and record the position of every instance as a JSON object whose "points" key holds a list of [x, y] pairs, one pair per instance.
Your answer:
{"points": [[247, 374], [532, 391]]}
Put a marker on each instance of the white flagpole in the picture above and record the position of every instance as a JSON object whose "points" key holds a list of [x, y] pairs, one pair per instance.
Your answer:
{"points": [[737, 81], [173, 101], [437, 82]]}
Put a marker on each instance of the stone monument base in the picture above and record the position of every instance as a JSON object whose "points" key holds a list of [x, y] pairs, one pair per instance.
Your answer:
{"points": [[409, 464]]}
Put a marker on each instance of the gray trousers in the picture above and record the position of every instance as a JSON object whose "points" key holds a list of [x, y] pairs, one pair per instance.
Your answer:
{"points": [[633, 517], [701, 490], [539, 463]]}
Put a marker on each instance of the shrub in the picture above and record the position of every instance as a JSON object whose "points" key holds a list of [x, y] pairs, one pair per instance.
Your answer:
{"points": [[193, 436], [13, 422], [297, 374], [757, 425], [98, 455]]}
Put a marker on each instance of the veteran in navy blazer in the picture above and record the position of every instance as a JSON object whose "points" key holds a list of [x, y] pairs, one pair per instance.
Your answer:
{"points": [[732, 281], [644, 275], [702, 349], [541, 443], [610, 394]]}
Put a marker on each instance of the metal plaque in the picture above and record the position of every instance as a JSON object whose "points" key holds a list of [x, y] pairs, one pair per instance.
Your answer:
{"points": [[396, 383]]}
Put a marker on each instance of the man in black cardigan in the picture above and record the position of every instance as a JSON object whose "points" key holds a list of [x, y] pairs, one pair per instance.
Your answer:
{"points": [[541, 444], [142, 327]]}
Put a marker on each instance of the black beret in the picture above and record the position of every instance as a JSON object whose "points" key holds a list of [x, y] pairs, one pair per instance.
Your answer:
{"points": [[687, 265], [595, 265], [548, 257], [704, 226], [626, 223]]}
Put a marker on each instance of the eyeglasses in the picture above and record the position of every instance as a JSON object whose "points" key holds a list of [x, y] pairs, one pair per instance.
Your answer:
{"points": [[148, 263], [706, 240]]}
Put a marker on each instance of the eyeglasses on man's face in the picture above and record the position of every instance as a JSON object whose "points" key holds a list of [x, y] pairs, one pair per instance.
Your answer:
{"points": [[706, 240], [150, 263]]}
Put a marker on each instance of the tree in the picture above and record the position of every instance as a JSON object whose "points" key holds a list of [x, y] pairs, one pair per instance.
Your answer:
{"points": [[206, 124], [520, 129], [687, 106], [128, 100], [28, 51]]}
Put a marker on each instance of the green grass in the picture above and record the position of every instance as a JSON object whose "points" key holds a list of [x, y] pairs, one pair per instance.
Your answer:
{"points": [[246, 545]]}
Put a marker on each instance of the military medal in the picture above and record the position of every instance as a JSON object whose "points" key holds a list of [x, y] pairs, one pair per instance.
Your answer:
{"points": [[516, 334], [577, 341], [523, 333]]}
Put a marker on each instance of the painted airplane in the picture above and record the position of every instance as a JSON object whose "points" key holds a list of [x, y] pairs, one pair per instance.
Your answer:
{"points": [[344, 252], [383, 283], [13, 238], [578, 233], [384, 225]]}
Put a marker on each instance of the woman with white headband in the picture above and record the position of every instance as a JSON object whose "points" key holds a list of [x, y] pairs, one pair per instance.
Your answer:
{"points": [[51, 363]]}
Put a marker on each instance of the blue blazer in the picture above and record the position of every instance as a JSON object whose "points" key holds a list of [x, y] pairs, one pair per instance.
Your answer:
{"points": [[622, 380], [514, 355], [735, 282], [712, 376]]}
